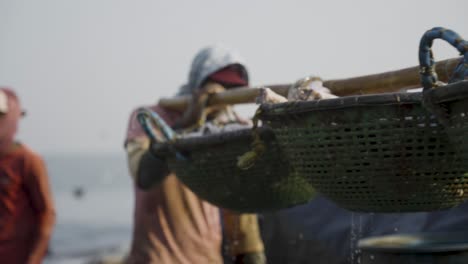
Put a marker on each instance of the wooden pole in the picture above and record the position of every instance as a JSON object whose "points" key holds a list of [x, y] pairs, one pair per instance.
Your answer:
{"points": [[370, 84]]}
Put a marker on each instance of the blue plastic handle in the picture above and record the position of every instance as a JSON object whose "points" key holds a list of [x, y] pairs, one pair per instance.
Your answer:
{"points": [[147, 118], [426, 59]]}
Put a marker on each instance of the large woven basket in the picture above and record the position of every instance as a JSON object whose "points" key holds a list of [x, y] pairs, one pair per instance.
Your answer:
{"points": [[209, 168], [380, 153]]}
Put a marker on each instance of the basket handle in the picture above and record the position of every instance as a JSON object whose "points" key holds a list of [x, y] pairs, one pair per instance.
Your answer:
{"points": [[148, 119], [427, 71]]}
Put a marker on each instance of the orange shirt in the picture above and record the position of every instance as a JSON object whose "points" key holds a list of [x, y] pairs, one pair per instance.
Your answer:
{"points": [[25, 204]]}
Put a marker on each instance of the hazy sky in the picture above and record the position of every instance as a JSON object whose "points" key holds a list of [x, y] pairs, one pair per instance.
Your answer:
{"points": [[80, 66]]}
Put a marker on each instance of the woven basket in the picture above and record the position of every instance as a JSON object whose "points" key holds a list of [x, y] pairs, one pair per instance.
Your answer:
{"points": [[400, 152], [210, 171], [376, 153]]}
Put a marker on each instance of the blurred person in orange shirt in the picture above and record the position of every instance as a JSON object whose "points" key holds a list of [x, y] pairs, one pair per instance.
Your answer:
{"points": [[27, 214]]}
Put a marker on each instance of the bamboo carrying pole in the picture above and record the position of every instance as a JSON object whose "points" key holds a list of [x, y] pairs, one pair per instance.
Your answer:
{"points": [[376, 83]]}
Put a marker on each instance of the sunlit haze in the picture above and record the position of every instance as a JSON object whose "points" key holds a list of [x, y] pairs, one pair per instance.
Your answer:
{"points": [[80, 67]]}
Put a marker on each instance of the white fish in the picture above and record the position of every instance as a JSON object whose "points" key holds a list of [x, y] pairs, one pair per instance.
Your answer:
{"points": [[309, 89]]}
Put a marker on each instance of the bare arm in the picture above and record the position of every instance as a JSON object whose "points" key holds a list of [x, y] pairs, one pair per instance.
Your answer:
{"points": [[243, 237], [38, 188], [197, 109]]}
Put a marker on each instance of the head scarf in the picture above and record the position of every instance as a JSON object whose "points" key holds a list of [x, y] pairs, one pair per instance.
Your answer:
{"points": [[209, 60]]}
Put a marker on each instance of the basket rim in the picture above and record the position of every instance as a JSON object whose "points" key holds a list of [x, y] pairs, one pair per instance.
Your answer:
{"points": [[446, 93], [210, 140]]}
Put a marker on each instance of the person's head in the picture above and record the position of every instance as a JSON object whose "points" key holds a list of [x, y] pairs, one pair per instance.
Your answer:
{"points": [[10, 113], [217, 64]]}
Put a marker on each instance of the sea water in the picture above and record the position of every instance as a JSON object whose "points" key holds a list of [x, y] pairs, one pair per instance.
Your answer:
{"points": [[94, 203]]}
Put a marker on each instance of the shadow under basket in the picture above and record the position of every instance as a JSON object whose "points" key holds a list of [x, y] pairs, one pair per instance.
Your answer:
{"points": [[436, 248], [210, 171], [379, 153]]}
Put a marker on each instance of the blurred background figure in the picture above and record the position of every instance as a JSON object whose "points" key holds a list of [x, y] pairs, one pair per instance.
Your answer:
{"points": [[173, 225], [26, 208]]}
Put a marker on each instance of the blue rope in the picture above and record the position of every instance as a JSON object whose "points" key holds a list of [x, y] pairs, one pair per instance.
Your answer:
{"points": [[426, 59]]}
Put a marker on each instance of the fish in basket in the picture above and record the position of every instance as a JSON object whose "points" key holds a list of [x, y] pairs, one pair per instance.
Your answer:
{"points": [[393, 152], [208, 165]]}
